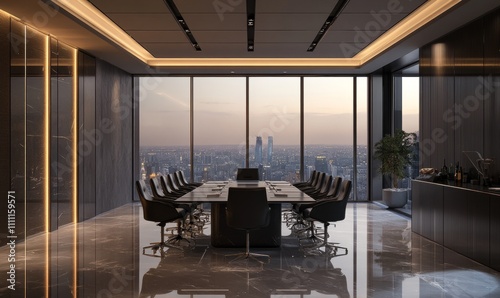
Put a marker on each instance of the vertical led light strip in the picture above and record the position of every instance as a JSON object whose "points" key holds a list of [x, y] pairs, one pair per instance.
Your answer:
{"points": [[75, 172], [25, 156], [46, 69]]}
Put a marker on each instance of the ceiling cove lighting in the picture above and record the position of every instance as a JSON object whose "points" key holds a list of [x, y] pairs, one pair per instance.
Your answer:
{"points": [[182, 23], [341, 4], [250, 25], [95, 19]]}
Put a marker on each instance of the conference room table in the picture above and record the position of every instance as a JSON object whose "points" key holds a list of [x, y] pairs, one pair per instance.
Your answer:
{"points": [[216, 193]]}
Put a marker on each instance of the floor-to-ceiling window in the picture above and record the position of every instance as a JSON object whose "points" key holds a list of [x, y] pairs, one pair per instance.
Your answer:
{"points": [[219, 127], [328, 125], [361, 190], [206, 118], [274, 127], [164, 125]]}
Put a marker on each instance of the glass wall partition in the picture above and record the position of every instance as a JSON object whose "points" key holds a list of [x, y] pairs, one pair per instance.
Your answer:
{"points": [[274, 126], [164, 125], [219, 132]]}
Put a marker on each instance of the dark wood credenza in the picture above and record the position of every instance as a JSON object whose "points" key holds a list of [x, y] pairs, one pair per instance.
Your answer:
{"points": [[465, 219]]}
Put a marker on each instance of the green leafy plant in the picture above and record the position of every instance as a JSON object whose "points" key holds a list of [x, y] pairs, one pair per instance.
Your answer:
{"points": [[395, 153]]}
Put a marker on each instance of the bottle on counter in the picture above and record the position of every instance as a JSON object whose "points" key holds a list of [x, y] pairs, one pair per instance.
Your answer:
{"points": [[444, 169], [451, 172], [458, 174]]}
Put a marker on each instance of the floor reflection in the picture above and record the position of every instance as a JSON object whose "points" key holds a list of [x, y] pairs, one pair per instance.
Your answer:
{"points": [[102, 257]]}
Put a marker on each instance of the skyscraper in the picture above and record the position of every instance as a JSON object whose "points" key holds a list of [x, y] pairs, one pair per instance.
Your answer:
{"points": [[269, 149], [321, 164], [258, 151]]}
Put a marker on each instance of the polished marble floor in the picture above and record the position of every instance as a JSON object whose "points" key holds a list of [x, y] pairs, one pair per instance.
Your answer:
{"points": [[102, 257]]}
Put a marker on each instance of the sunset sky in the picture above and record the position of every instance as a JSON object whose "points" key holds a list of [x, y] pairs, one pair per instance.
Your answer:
{"points": [[274, 107]]}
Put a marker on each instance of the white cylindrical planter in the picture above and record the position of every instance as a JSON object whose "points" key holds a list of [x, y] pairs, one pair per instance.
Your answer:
{"points": [[395, 197]]}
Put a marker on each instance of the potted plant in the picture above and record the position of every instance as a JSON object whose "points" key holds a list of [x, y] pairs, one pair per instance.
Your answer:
{"points": [[395, 154]]}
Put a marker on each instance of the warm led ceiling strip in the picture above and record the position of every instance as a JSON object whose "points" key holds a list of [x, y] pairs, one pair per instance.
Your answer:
{"points": [[87, 13]]}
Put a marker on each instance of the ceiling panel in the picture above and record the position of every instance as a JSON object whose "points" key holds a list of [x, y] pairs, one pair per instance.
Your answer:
{"points": [[294, 6], [211, 6], [130, 6], [290, 22], [158, 36], [349, 36], [283, 28], [284, 36], [356, 22], [144, 22], [382, 6], [211, 22]]}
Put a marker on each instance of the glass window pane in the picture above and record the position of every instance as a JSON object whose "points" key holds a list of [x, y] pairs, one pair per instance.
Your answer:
{"points": [[410, 115], [164, 125], [328, 125], [362, 138], [275, 127], [219, 127]]}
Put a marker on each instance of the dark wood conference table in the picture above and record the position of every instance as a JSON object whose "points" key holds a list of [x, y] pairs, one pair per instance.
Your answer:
{"points": [[215, 193]]}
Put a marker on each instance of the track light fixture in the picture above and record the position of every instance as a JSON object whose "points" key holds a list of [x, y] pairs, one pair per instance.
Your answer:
{"points": [[250, 25], [341, 4], [182, 23]]}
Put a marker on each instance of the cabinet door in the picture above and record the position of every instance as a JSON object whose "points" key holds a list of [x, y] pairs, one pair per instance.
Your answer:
{"points": [[478, 236], [427, 210], [455, 220], [495, 232]]}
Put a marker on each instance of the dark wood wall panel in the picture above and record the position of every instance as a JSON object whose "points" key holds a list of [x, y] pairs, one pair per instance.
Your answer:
{"points": [[4, 116], [469, 104], [461, 95], [425, 99], [492, 90], [88, 137], [65, 134], [114, 119]]}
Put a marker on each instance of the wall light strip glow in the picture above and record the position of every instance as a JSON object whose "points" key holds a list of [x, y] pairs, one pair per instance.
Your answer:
{"points": [[46, 147], [75, 173], [91, 16], [420, 17]]}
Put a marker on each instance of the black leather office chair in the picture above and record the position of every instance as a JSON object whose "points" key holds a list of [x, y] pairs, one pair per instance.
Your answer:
{"points": [[247, 174], [172, 183], [180, 183], [247, 209], [167, 189], [157, 189], [317, 184], [181, 176], [309, 182], [158, 211], [326, 211], [333, 191], [322, 189], [294, 218]]}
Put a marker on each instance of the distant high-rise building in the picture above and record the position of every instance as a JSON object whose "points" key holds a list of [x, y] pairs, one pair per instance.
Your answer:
{"points": [[269, 149], [258, 150], [321, 164]]}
